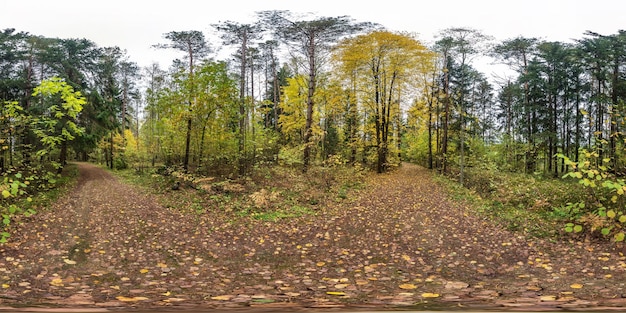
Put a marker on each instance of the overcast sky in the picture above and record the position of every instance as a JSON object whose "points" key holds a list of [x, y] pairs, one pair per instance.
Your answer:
{"points": [[136, 25]]}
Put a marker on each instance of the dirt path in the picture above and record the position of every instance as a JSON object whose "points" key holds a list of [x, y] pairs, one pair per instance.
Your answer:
{"points": [[400, 243]]}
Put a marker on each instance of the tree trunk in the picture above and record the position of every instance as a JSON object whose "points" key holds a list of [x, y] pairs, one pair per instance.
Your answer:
{"points": [[111, 143], [62, 157], [308, 130], [242, 107], [187, 145]]}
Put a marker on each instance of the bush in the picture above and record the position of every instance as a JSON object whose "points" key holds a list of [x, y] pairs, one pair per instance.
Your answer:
{"points": [[604, 213]]}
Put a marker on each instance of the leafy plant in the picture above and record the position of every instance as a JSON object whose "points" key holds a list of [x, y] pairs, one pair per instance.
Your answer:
{"points": [[606, 197]]}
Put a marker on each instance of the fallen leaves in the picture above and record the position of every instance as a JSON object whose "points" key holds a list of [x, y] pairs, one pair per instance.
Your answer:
{"points": [[456, 285], [415, 251], [131, 299], [57, 282], [222, 298]]}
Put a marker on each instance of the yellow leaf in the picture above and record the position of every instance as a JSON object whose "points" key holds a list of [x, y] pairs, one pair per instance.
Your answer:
{"points": [[576, 286], [222, 298], [170, 300], [320, 264], [407, 286], [167, 294], [335, 293], [128, 299], [143, 270], [547, 298], [406, 257], [57, 282], [430, 295], [68, 261], [341, 286], [5, 286]]}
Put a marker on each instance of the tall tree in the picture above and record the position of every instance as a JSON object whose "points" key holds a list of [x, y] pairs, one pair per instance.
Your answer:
{"points": [[312, 40], [458, 45], [386, 63], [517, 52], [243, 35], [194, 45]]}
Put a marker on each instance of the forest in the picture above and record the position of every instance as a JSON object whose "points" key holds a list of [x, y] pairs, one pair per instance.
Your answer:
{"points": [[325, 91]]}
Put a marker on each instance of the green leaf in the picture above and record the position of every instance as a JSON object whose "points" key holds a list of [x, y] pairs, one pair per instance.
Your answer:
{"points": [[6, 193], [622, 219], [619, 237], [610, 214], [605, 231], [578, 228]]}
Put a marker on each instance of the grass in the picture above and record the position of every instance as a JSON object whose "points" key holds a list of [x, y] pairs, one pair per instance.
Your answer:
{"points": [[522, 203], [273, 216], [269, 193]]}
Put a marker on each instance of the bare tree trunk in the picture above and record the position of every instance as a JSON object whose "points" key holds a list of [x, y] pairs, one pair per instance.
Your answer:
{"points": [[308, 126]]}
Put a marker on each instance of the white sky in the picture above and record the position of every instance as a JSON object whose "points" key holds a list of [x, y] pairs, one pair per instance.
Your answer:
{"points": [[136, 25]]}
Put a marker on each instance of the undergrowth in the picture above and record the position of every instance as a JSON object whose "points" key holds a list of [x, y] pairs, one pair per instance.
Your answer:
{"points": [[267, 193], [534, 205]]}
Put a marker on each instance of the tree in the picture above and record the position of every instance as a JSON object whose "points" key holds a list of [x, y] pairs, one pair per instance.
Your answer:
{"points": [[458, 45], [194, 45], [310, 39], [385, 64], [516, 52], [58, 125], [242, 35]]}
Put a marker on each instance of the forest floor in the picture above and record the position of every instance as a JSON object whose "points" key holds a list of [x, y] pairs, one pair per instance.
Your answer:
{"points": [[399, 243]]}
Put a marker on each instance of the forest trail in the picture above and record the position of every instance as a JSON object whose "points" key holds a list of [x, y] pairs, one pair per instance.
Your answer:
{"points": [[399, 244]]}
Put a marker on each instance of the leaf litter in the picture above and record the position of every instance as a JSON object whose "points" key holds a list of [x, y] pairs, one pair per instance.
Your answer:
{"points": [[399, 242]]}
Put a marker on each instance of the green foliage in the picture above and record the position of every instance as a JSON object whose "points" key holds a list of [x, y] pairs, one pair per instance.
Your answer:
{"points": [[519, 202], [275, 215], [603, 211], [58, 123], [22, 192]]}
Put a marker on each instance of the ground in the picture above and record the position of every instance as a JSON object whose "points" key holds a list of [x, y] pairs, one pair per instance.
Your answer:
{"points": [[397, 243]]}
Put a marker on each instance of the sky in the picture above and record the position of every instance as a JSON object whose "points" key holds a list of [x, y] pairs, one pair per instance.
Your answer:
{"points": [[137, 25]]}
